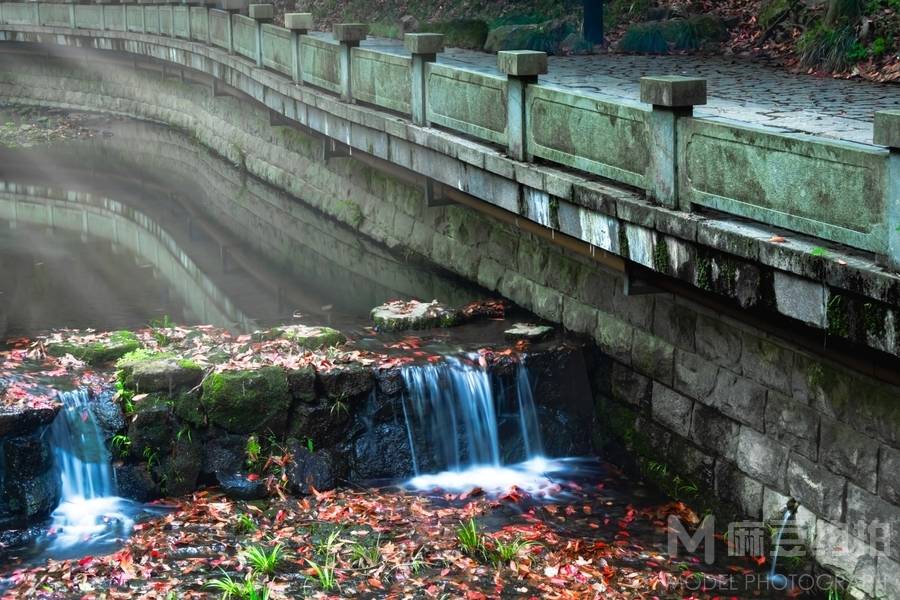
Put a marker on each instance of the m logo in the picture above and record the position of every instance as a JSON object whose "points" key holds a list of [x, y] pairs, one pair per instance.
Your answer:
{"points": [[705, 535]]}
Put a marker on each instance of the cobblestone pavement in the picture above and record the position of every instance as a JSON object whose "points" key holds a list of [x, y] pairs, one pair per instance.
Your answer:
{"points": [[740, 90]]}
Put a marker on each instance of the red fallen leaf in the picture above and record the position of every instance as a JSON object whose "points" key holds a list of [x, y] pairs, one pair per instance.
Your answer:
{"points": [[252, 477], [375, 583], [279, 518], [760, 560], [777, 239], [85, 561]]}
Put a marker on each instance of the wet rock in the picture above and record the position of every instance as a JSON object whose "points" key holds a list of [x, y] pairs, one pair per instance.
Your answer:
{"points": [[32, 498], [346, 381], [302, 383], [102, 350], [310, 338], [144, 372], [26, 456], [528, 331], [311, 470], [181, 469], [238, 487], [153, 427], [224, 453], [20, 420], [108, 414], [136, 483], [13, 540], [254, 401], [381, 452], [400, 316], [390, 381], [325, 422]]}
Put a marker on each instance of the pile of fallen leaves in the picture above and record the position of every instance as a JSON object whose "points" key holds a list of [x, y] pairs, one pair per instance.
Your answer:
{"points": [[25, 126], [589, 540]]}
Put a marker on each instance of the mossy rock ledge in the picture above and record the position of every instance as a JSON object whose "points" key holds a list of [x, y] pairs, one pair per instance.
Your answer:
{"points": [[401, 316], [100, 351], [247, 401], [145, 372]]}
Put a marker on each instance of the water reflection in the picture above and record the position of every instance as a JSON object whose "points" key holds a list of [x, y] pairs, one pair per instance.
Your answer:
{"points": [[121, 229]]}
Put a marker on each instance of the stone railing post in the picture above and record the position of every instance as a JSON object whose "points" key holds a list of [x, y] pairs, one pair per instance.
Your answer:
{"points": [[671, 97], [887, 133], [424, 48], [232, 7], [522, 68], [35, 11], [261, 13], [71, 4], [102, 13], [299, 24], [349, 35]]}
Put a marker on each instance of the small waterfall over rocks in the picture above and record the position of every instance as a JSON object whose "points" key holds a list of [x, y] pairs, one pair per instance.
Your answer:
{"points": [[459, 430], [89, 512]]}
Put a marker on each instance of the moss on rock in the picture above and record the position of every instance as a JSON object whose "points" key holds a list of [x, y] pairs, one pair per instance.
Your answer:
{"points": [[400, 316], [146, 371], [99, 351], [247, 401]]}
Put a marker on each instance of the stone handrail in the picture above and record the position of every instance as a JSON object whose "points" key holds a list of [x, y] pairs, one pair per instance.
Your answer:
{"points": [[843, 192]]}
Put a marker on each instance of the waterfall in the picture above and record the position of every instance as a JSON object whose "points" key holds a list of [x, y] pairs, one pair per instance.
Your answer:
{"points": [[90, 516], [82, 458], [454, 422]]}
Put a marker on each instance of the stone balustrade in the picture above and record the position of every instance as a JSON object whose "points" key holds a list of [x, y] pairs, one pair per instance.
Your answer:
{"points": [[838, 191]]}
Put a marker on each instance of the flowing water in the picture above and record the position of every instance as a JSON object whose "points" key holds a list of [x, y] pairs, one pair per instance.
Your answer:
{"points": [[454, 417], [90, 516]]}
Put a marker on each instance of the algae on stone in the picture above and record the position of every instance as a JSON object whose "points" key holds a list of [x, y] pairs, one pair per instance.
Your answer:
{"points": [[254, 401], [400, 316]]}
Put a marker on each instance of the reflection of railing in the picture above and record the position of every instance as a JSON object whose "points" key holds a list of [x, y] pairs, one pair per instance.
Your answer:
{"points": [[109, 220], [840, 191]]}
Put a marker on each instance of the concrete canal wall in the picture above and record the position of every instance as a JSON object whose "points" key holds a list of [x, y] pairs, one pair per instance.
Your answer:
{"points": [[713, 379]]}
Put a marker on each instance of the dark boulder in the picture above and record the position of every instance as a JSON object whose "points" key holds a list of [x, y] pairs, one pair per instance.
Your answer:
{"points": [[20, 420], [136, 483], [302, 383], [345, 381], [26, 456], [108, 414], [32, 498], [181, 469], [381, 452], [237, 486], [326, 423], [311, 470], [254, 401], [153, 428], [223, 453]]}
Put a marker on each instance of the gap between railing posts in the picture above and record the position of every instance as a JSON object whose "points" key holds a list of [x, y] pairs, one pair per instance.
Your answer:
{"points": [[424, 48], [672, 97], [349, 35], [522, 68], [887, 133], [299, 25], [261, 13]]}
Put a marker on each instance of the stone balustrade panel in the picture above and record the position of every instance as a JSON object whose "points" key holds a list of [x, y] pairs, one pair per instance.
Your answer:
{"points": [[218, 28], [382, 79], [18, 13], [54, 15], [828, 189], [321, 63], [89, 16], [604, 137], [151, 18], [467, 101], [243, 30], [276, 49], [181, 21], [134, 18], [199, 24], [166, 23]]}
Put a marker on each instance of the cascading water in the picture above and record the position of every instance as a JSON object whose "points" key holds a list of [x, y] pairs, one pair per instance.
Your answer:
{"points": [[453, 423], [89, 513]]}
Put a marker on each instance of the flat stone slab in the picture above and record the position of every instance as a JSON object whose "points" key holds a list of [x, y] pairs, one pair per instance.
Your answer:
{"points": [[94, 349], [400, 315], [528, 331]]}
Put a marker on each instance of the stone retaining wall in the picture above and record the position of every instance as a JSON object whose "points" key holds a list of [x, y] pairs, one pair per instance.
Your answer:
{"points": [[746, 415]]}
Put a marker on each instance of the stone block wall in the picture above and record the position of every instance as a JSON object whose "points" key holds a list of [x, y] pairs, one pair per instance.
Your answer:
{"points": [[742, 413]]}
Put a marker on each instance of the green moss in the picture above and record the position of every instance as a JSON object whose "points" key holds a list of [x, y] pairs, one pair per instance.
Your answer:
{"points": [[837, 316], [704, 274], [661, 261], [116, 345], [554, 212], [874, 319], [460, 33], [247, 401], [623, 241]]}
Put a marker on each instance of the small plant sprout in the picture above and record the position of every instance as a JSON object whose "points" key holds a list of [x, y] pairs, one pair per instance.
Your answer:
{"points": [[364, 556], [253, 450], [237, 589], [504, 552], [470, 540], [324, 574], [817, 251], [264, 562], [244, 523], [121, 444]]}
